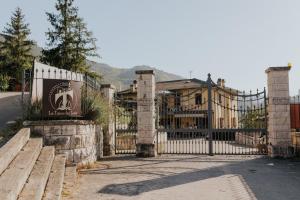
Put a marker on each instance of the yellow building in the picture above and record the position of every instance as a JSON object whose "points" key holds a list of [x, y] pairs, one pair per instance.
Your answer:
{"points": [[183, 104]]}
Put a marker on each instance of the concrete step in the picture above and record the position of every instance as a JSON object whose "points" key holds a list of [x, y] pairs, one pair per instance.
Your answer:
{"points": [[9, 151], [55, 182], [36, 183], [14, 177], [70, 181]]}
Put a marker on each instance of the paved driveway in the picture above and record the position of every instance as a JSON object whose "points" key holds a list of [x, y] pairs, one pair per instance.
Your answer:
{"points": [[190, 177], [10, 107]]}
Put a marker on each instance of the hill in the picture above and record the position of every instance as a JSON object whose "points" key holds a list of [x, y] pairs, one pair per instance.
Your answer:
{"points": [[123, 77], [120, 77]]}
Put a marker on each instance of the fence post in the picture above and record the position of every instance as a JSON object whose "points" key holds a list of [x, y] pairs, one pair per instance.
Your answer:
{"points": [[108, 91], [279, 122], [209, 115], [146, 136], [23, 86]]}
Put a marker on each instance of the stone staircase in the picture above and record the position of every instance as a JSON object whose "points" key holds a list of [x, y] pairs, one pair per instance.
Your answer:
{"points": [[29, 171]]}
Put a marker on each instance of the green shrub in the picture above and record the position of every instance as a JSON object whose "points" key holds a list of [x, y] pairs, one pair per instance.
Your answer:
{"points": [[4, 82], [96, 108], [32, 111]]}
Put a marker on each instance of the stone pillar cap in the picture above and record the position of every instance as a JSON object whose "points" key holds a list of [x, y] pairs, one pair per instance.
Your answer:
{"points": [[150, 71], [270, 69], [108, 86]]}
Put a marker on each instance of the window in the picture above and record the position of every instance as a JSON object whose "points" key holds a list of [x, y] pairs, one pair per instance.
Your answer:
{"points": [[221, 121], [233, 122], [165, 103], [220, 98], [177, 100], [198, 99]]}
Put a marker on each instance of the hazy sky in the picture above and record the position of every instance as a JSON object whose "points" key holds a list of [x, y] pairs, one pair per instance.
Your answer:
{"points": [[233, 39]]}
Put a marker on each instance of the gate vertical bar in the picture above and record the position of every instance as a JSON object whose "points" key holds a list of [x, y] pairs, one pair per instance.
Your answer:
{"points": [[266, 115], [209, 116], [115, 124]]}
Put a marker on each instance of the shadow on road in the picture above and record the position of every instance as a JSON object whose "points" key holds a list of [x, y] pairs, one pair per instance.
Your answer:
{"points": [[262, 177]]}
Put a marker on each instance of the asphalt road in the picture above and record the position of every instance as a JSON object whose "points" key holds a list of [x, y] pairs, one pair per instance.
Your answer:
{"points": [[10, 107]]}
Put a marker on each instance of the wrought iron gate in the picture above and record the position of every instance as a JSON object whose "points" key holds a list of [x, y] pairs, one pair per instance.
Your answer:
{"points": [[125, 125], [211, 119]]}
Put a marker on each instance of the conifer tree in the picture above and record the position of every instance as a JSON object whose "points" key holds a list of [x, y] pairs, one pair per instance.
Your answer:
{"points": [[69, 41], [15, 49]]}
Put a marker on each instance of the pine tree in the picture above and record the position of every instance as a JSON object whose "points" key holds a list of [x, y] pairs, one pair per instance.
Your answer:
{"points": [[85, 45], [69, 41], [15, 49]]}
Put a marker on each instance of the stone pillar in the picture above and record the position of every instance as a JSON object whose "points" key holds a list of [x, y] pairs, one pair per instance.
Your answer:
{"points": [[146, 136], [107, 91], [279, 127]]}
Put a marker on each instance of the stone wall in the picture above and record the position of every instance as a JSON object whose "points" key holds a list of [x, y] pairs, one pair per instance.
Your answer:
{"points": [[146, 136], [81, 141], [107, 92], [279, 122]]}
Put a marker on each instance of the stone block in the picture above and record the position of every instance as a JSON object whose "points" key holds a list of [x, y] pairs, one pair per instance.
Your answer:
{"points": [[146, 150], [68, 129], [79, 154], [274, 128], [81, 129], [145, 108], [284, 151], [52, 130], [60, 142], [146, 140], [146, 119], [278, 93], [78, 141], [91, 129], [285, 135], [83, 154], [37, 130], [278, 115], [279, 100], [69, 155], [280, 87]]}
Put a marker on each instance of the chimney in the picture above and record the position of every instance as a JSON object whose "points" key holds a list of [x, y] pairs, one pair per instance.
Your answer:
{"points": [[221, 82], [134, 85], [131, 88]]}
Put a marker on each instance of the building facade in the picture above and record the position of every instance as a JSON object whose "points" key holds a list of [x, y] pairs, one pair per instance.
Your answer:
{"points": [[183, 104]]}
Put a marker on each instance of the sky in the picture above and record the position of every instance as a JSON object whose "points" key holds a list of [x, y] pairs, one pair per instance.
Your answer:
{"points": [[233, 39]]}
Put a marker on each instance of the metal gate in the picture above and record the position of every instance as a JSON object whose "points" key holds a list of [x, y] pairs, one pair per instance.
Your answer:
{"points": [[125, 125], [211, 119]]}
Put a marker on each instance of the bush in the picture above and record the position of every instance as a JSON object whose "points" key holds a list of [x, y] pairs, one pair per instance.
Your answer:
{"points": [[96, 108], [32, 111], [4, 82]]}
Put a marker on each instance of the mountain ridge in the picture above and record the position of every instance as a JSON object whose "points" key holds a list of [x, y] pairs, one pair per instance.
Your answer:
{"points": [[121, 78]]}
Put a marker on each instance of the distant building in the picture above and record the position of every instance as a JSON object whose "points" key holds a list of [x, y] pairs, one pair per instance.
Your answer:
{"points": [[183, 103], [295, 99]]}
